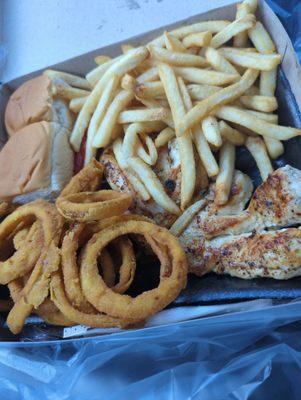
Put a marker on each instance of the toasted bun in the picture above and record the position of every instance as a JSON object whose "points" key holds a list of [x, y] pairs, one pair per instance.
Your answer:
{"points": [[33, 102], [37, 161]]}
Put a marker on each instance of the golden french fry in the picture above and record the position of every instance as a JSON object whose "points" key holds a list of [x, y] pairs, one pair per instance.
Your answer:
{"points": [[244, 8], [188, 170], [152, 103], [260, 103], [199, 39], [99, 60], [99, 113], [258, 125], [205, 152], [150, 90], [267, 85], [125, 48], [223, 96], [103, 135], [120, 66], [96, 73], [218, 62], [197, 75], [231, 134], [225, 176], [84, 116], [257, 148], [132, 145], [164, 137], [211, 131], [172, 43], [72, 80], [250, 59], [273, 118], [128, 82], [77, 104], [261, 39], [176, 58], [153, 185], [237, 26], [140, 115], [149, 75], [137, 185], [185, 219], [274, 147], [201, 92], [67, 92], [180, 33]]}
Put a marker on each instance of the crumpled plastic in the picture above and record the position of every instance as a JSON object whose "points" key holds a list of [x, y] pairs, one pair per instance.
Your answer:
{"points": [[247, 353]]}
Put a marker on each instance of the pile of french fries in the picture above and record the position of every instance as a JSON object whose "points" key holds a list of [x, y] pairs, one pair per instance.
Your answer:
{"points": [[210, 85]]}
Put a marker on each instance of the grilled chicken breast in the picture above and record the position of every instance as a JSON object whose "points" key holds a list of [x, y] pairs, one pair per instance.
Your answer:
{"points": [[250, 243]]}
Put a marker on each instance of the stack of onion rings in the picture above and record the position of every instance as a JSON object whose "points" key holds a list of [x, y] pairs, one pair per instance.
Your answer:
{"points": [[79, 252]]}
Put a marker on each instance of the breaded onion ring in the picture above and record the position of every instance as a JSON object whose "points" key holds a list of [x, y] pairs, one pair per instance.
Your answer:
{"points": [[172, 274], [88, 179], [93, 206]]}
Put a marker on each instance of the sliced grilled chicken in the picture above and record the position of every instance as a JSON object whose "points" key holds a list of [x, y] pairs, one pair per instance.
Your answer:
{"points": [[226, 242]]}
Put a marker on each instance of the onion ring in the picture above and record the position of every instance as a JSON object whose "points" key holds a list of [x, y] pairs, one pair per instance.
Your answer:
{"points": [[88, 179], [104, 299], [93, 206], [36, 289]]}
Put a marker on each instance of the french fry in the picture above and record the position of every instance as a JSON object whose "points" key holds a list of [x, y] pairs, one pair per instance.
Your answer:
{"points": [[180, 33], [257, 148], [231, 134], [237, 26], [164, 137], [125, 48], [140, 115], [199, 39], [150, 90], [253, 90], [84, 116], [132, 145], [197, 75], [185, 219], [273, 118], [178, 59], [211, 131], [96, 73], [150, 75], [99, 60], [260, 103], [218, 62], [67, 92], [99, 113], [241, 117], [137, 185], [267, 84], [152, 103], [241, 39], [274, 147], [77, 104], [128, 82], [72, 80], [175, 100], [201, 92], [103, 135], [261, 39], [172, 43], [223, 96], [153, 185], [205, 152], [225, 175], [122, 65], [250, 59]]}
